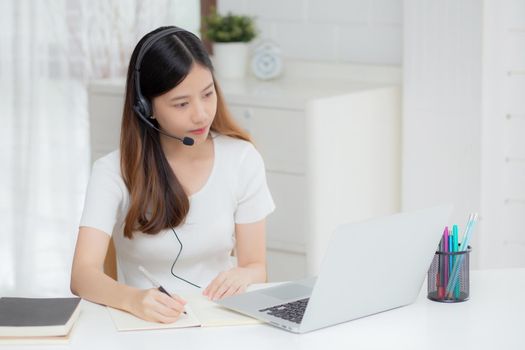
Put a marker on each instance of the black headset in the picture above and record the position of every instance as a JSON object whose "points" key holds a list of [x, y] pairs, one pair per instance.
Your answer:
{"points": [[142, 106]]}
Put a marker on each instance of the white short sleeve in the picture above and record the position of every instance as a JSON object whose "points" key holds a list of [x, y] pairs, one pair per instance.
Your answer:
{"points": [[254, 201], [103, 196]]}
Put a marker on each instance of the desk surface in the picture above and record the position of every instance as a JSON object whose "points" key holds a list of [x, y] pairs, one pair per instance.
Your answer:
{"points": [[494, 317]]}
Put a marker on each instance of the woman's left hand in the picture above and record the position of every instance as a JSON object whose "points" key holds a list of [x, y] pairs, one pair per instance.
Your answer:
{"points": [[227, 283]]}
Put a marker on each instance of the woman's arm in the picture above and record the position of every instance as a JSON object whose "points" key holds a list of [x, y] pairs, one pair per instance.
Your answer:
{"points": [[89, 282], [251, 262], [251, 249]]}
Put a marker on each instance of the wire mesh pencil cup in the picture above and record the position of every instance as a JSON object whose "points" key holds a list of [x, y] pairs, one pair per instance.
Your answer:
{"points": [[446, 284]]}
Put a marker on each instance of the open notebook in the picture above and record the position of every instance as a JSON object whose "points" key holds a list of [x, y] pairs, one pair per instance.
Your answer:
{"points": [[201, 312]]}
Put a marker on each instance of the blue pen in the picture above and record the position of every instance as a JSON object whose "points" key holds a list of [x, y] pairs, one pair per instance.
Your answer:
{"points": [[455, 249]]}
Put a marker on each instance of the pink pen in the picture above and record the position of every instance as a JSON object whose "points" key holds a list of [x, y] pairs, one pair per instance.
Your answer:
{"points": [[446, 249], [441, 268]]}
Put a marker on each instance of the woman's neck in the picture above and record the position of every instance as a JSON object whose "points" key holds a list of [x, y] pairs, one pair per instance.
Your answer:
{"points": [[175, 150]]}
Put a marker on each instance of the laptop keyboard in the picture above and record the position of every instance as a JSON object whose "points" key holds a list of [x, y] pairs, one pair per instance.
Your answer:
{"points": [[292, 311]]}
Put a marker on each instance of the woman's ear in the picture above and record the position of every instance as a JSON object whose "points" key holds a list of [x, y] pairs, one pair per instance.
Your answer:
{"points": [[154, 104]]}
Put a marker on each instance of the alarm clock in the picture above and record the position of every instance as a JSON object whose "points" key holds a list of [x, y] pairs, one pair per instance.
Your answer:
{"points": [[266, 61]]}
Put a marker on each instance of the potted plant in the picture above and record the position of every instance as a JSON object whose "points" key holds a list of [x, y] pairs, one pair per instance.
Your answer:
{"points": [[230, 35]]}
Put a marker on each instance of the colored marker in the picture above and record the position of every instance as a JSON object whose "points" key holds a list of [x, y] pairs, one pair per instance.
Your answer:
{"points": [[441, 291], [445, 257], [450, 256], [455, 248]]}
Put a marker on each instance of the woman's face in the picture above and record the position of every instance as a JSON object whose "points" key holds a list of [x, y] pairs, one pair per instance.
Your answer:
{"points": [[189, 108]]}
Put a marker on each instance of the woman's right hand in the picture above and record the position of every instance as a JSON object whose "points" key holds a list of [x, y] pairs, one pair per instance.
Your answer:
{"points": [[155, 306]]}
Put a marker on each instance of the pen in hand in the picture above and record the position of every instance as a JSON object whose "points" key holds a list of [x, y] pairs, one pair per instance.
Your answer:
{"points": [[154, 282]]}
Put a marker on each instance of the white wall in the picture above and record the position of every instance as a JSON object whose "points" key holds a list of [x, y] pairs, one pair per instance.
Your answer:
{"points": [[442, 105], [464, 75], [463, 80], [361, 31], [503, 164]]}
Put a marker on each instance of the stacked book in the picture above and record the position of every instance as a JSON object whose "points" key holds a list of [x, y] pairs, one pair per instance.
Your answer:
{"points": [[37, 320]]}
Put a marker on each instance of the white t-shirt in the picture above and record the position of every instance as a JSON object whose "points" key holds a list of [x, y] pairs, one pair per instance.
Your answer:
{"points": [[235, 192]]}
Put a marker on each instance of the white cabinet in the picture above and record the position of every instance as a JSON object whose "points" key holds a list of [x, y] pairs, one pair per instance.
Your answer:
{"points": [[331, 147], [279, 134]]}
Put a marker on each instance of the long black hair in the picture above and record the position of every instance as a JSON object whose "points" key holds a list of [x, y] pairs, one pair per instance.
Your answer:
{"points": [[157, 199]]}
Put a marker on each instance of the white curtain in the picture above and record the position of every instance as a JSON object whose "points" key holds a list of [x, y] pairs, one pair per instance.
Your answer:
{"points": [[49, 50]]}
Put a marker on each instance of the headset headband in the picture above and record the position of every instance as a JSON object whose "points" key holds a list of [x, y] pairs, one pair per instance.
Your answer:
{"points": [[151, 40]]}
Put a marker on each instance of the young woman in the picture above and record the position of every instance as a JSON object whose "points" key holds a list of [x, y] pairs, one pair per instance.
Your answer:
{"points": [[185, 188]]}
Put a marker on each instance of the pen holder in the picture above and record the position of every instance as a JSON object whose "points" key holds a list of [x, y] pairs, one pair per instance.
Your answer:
{"points": [[449, 269]]}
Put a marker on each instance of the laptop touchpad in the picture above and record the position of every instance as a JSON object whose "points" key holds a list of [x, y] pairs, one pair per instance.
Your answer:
{"points": [[288, 291]]}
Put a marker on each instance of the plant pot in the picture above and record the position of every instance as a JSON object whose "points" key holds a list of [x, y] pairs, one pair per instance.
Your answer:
{"points": [[230, 59]]}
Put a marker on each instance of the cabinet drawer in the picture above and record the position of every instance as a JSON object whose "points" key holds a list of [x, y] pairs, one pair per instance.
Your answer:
{"points": [[283, 266], [286, 226], [278, 134]]}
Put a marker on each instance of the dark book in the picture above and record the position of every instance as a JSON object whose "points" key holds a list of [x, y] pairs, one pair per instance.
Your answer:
{"points": [[37, 317]]}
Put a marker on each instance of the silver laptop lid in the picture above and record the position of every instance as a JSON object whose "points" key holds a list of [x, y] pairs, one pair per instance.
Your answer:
{"points": [[374, 266]]}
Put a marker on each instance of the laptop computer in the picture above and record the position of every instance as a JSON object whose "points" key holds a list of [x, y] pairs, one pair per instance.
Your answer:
{"points": [[368, 267]]}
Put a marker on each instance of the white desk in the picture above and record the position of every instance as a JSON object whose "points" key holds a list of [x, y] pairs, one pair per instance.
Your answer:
{"points": [[493, 318]]}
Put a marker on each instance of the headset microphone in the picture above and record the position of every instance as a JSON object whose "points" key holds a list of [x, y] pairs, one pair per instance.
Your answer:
{"points": [[142, 106], [188, 141]]}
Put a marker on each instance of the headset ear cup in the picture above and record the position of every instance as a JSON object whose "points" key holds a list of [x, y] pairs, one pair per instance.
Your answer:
{"points": [[138, 108], [142, 106], [147, 108]]}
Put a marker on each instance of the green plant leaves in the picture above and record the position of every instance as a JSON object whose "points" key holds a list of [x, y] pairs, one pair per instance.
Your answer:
{"points": [[229, 28]]}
